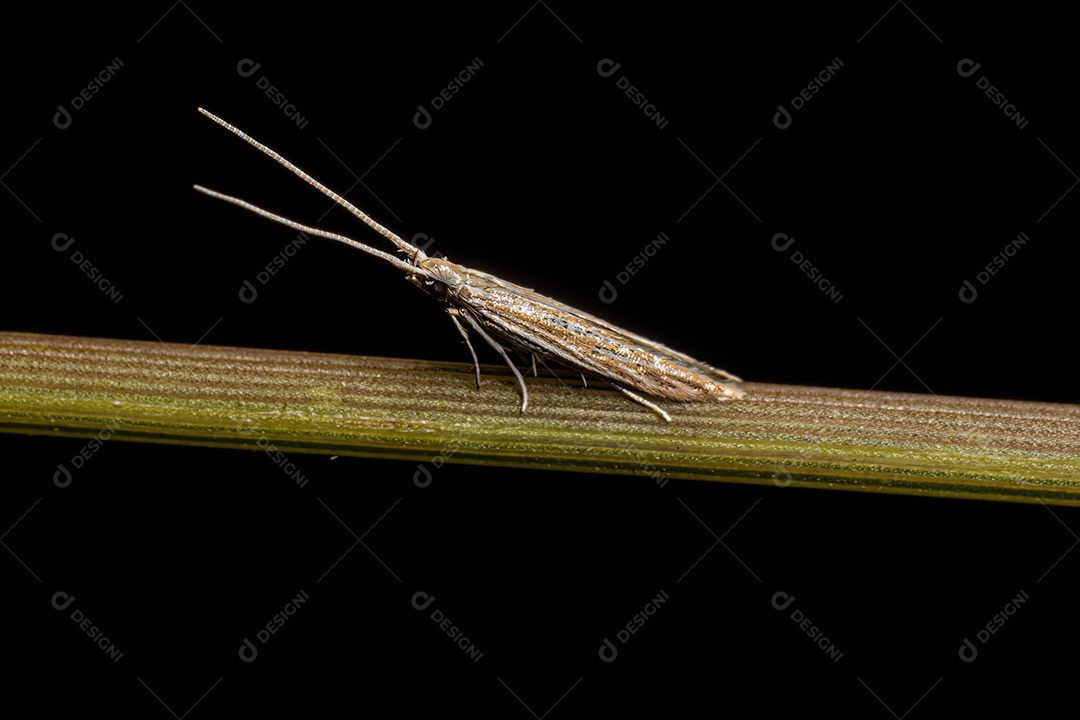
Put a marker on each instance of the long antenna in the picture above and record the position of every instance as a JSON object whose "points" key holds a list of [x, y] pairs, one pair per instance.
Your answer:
{"points": [[413, 252], [395, 261]]}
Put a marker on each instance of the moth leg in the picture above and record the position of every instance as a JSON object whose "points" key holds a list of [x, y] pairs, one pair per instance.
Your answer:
{"points": [[502, 351], [638, 399], [453, 313], [584, 381], [526, 358]]}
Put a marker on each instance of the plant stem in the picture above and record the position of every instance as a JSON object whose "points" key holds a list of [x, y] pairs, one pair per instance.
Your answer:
{"points": [[415, 410]]}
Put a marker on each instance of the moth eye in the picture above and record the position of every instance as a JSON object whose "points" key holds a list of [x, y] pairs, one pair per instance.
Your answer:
{"points": [[439, 287]]}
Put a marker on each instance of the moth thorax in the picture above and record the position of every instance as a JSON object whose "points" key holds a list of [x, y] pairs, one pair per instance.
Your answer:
{"points": [[442, 275]]}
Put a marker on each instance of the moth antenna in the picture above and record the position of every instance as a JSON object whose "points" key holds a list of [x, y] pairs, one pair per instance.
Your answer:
{"points": [[414, 253], [397, 262]]}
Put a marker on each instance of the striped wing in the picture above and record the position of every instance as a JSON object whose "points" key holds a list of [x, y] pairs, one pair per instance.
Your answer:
{"points": [[534, 323]]}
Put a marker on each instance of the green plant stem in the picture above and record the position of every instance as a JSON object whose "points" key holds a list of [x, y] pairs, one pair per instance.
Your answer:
{"points": [[416, 410]]}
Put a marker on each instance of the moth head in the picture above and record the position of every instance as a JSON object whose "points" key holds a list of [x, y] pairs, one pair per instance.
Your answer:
{"points": [[437, 276]]}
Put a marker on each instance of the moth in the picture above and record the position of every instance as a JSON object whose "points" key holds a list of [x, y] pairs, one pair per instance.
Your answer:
{"points": [[509, 316]]}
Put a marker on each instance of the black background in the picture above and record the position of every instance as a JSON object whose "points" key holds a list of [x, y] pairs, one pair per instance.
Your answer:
{"points": [[899, 181]]}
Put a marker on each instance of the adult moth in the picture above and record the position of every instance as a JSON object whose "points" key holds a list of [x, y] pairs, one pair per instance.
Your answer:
{"points": [[506, 315]]}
